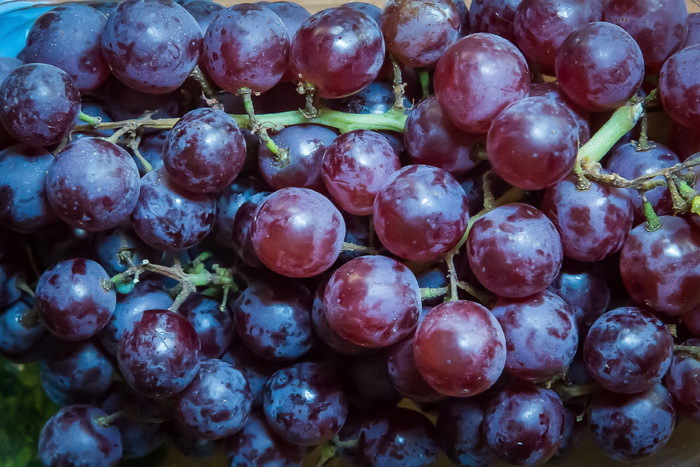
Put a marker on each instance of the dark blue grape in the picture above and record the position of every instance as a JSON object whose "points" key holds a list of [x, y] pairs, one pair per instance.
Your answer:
{"points": [[683, 380], [21, 334], [124, 103], [458, 430], [213, 325], [74, 437], [71, 300], [304, 404], [151, 45], [229, 200], [256, 370], [119, 249], [203, 12], [192, 446], [241, 241]]}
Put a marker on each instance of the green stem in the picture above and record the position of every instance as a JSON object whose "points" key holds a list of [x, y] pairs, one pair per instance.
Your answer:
{"points": [[424, 78], [653, 222], [90, 120], [427, 293], [485, 298], [367, 250], [328, 451], [206, 86], [109, 419]]}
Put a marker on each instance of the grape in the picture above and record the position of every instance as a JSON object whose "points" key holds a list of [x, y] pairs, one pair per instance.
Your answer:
{"points": [[217, 402], [305, 145], [459, 431], [38, 104], [116, 250], [241, 240], [23, 203], [246, 46], [523, 424], [146, 295], [632, 426], [78, 370], [371, 10], [75, 437], [213, 325], [477, 77], [599, 66], [540, 26], [643, 18], [71, 300], [151, 45], [514, 250], [628, 350], [304, 404], [421, 213], [159, 354], [432, 139], [417, 33], [297, 232], [20, 339], [93, 184], [348, 51], [355, 167], [124, 103], [661, 269], [257, 443], [204, 151], [593, 223], [192, 446], [377, 98], [293, 16], [693, 36], [372, 301], [273, 319], [553, 91], [460, 349], [686, 141], [532, 143], [403, 437], [404, 375], [541, 335], [229, 200], [683, 380], [167, 217], [678, 86], [203, 12], [354, 371], [69, 37], [494, 16]]}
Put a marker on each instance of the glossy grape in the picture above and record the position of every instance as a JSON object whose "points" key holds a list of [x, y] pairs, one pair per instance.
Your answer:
{"points": [[514, 250], [93, 184], [71, 300], [116, 250], [124, 103], [477, 77], [404, 375], [628, 350], [693, 36], [151, 45], [20, 338], [257, 371], [297, 232], [214, 326], [258, 443], [241, 240], [494, 16], [459, 431], [159, 354], [679, 87], [683, 380], [460, 349], [229, 200]]}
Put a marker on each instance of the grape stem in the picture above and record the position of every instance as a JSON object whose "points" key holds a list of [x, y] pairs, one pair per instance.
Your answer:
{"points": [[366, 250], [92, 121], [691, 349], [398, 85], [281, 155], [427, 293], [207, 88]]}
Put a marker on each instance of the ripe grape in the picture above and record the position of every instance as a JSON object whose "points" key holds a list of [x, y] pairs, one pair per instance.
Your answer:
{"points": [[257, 442], [241, 241], [494, 16], [20, 341], [679, 87], [683, 380], [404, 375], [459, 431], [213, 325]]}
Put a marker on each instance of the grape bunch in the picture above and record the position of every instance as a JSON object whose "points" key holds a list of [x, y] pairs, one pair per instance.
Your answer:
{"points": [[422, 234]]}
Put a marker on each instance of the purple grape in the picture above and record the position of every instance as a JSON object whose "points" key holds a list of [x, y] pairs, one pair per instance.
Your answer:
{"points": [[192, 446], [514, 250], [421, 213], [38, 104], [679, 87], [348, 51], [213, 325], [628, 350], [370, 9], [432, 139], [229, 200], [418, 33], [304, 404], [372, 301], [524, 424], [459, 348], [273, 319], [553, 91], [241, 241], [69, 37], [20, 339], [167, 217], [402, 437], [297, 232], [151, 45], [356, 165], [683, 380], [246, 46], [119, 249], [599, 66], [541, 335], [75, 437], [632, 426], [532, 143], [71, 300], [159, 354], [377, 98], [459, 432], [258, 443], [661, 269], [541, 26], [293, 16], [693, 36], [593, 223], [204, 12], [643, 18], [23, 204], [477, 77], [257, 371], [93, 184], [494, 16], [204, 151], [305, 145], [217, 402], [124, 103], [404, 375]]}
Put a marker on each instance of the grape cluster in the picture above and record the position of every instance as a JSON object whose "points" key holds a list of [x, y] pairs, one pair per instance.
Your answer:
{"points": [[265, 236]]}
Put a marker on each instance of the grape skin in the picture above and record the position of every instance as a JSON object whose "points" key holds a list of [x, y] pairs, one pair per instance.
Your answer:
{"points": [[683, 380], [679, 87], [258, 443], [18, 342]]}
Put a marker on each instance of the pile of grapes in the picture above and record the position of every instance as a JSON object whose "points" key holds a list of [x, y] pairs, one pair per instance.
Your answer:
{"points": [[372, 234]]}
